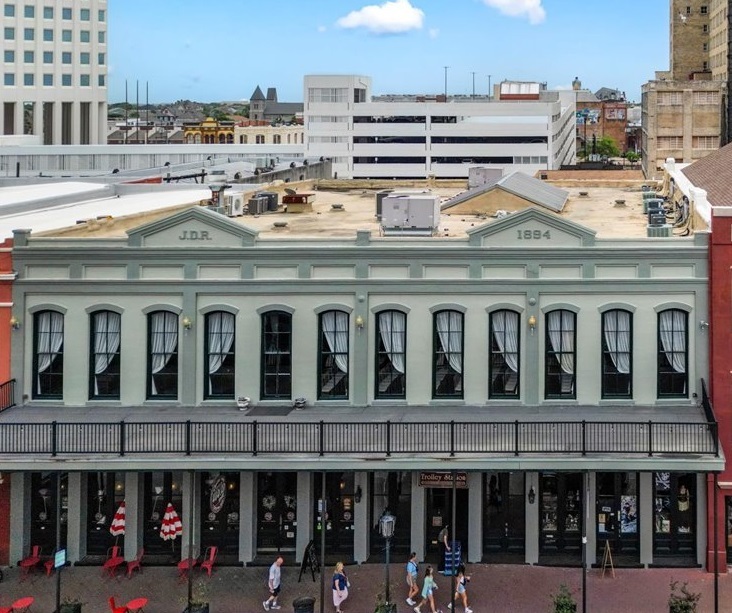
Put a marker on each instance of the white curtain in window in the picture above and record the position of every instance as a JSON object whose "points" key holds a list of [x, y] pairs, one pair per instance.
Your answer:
{"points": [[335, 330], [617, 339], [392, 325], [450, 332], [220, 338], [164, 334], [673, 338], [50, 338], [505, 326], [561, 336], [106, 341]]}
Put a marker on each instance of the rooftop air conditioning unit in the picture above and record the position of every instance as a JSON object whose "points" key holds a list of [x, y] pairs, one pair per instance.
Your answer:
{"points": [[234, 206]]}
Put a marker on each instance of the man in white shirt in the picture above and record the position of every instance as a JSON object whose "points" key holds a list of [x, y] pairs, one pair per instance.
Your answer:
{"points": [[274, 583]]}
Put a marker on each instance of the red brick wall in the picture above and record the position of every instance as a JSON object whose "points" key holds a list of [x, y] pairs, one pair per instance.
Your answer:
{"points": [[5, 520], [6, 297]]}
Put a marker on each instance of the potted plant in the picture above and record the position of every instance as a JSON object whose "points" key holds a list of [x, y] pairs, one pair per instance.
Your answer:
{"points": [[71, 604], [681, 600], [563, 601], [384, 607], [199, 598]]}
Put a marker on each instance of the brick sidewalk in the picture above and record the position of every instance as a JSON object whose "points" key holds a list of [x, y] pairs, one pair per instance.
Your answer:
{"points": [[494, 589]]}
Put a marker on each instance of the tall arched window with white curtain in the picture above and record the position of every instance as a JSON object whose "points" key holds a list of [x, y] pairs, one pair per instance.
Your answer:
{"points": [[104, 352], [617, 354], [560, 354], [162, 372], [48, 355], [276, 355], [673, 353], [447, 362], [391, 355], [333, 355], [220, 361], [504, 355]]}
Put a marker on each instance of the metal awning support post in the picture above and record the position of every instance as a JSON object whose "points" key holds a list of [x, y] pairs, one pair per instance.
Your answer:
{"points": [[584, 540], [58, 539], [716, 546], [322, 545], [191, 489], [454, 534]]}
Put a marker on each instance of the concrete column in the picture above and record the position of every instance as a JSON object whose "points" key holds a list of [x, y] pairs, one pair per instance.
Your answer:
{"points": [[591, 517], [134, 510], [75, 123], [247, 517], [360, 380], [20, 515], [305, 493], [18, 117], [188, 352], [191, 484], [57, 122], [76, 516], [38, 119], [418, 510], [361, 519], [532, 518], [646, 509], [475, 517]]}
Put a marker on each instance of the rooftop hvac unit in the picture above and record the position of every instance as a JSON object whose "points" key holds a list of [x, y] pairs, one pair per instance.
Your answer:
{"points": [[650, 203], [662, 231], [656, 219], [650, 196], [257, 205], [272, 199], [234, 205], [415, 214]]}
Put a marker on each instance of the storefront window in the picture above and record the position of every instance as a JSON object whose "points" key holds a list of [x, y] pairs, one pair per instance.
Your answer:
{"points": [[338, 520], [44, 508], [276, 511], [503, 513], [392, 491], [220, 512], [161, 488], [674, 514], [561, 500], [105, 491]]}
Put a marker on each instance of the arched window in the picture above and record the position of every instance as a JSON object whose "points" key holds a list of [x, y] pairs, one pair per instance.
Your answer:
{"points": [[673, 354], [219, 360], [333, 355], [504, 355], [162, 351], [277, 139], [48, 355], [104, 355], [243, 139], [447, 360], [276, 355], [391, 355], [617, 354], [560, 346]]}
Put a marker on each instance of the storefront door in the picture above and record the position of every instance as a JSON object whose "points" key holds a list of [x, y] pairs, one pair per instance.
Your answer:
{"points": [[276, 511], [160, 488], [339, 498], [105, 491], [617, 517], [674, 532], [439, 513], [220, 512], [504, 516], [44, 509], [391, 491], [560, 514]]}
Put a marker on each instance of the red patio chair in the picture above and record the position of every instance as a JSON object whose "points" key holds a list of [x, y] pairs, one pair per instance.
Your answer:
{"points": [[186, 565], [209, 557], [114, 608], [22, 605], [29, 563], [136, 563], [6, 609], [112, 563]]}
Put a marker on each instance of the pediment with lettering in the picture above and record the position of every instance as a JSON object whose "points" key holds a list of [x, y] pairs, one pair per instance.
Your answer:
{"points": [[532, 228], [193, 227]]}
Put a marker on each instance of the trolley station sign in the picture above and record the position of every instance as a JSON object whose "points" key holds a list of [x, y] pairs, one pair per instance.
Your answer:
{"points": [[443, 479]]}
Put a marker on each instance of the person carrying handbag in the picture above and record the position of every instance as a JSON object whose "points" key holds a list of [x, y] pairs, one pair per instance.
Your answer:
{"points": [[340, 586]]}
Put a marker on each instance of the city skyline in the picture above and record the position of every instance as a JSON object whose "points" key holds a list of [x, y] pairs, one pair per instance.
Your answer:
{"points": [[544, 40]]}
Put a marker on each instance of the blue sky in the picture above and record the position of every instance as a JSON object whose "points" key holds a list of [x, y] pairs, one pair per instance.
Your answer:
{"points": [[222, 49]]}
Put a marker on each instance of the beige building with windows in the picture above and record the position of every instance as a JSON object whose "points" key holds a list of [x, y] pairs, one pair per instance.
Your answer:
{"points": [[283, 134], [54, 87]]}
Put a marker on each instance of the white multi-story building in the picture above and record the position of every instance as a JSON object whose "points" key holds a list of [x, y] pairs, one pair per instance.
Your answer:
{"points": [[525, 128], [55, 70]]}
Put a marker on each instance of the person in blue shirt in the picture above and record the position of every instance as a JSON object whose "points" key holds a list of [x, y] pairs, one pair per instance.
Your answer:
{"points": [[428, 588], [412, 571], [340, 586]]}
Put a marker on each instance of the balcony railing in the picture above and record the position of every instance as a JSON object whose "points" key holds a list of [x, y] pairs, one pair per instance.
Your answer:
{"points": [[371, 439], [7, 395]]}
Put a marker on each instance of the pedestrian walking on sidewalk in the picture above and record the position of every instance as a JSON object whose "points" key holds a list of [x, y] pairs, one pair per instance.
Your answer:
{"points": [[444, 541], [428, 588], [340, 586], [461, 590], [274, 583], [412, 571]]}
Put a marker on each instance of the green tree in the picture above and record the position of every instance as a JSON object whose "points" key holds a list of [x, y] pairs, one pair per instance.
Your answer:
{"points": [[607, 147]]}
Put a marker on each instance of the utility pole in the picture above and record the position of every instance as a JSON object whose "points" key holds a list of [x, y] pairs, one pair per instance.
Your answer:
{"points": [[446, 67]]}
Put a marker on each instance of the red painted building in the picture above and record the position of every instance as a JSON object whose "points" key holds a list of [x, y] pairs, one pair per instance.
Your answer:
{"points": [[6, 303]]}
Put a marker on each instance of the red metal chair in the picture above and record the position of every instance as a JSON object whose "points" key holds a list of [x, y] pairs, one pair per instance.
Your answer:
{"points": [[116, 609], [186, 565], [29, 563], [22, 605], [136, 563], [209, 557], [112, 563]]}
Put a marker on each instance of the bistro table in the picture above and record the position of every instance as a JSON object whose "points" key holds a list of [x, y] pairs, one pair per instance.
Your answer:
{"points": [[137, 605]]}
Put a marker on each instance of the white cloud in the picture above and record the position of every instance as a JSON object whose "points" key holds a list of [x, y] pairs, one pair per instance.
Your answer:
{"points": [[391, 17], [532, 9]]}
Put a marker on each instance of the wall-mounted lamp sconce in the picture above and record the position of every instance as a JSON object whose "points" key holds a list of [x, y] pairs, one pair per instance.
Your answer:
{"points": [[532, 323], [14, 323], [359, 322], [187, 323], [703, 325], [532, 495], [357, 495]]}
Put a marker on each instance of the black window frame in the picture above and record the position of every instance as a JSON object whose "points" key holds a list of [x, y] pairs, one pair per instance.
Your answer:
{"points": [[276, 357], [171, 368], [609, 371], [664, 369], [53, 375], [383, 363], [112, 375], [502, 381], [327, 366], [557, 383], [224, 379], [455, 381]]}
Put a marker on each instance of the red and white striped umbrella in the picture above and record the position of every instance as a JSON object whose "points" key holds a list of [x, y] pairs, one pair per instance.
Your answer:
{"points": [[118, 523], [171, 526]]}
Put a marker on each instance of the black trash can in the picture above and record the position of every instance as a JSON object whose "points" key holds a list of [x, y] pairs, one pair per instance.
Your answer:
{"points": [[304, 604]]}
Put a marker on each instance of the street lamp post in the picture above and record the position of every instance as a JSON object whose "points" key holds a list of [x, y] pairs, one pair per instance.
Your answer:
{"points": [[386, 527], [586, 115]]}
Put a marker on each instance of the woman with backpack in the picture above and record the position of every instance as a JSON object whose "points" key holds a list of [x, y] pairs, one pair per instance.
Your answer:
{"points": [[412, 570]]}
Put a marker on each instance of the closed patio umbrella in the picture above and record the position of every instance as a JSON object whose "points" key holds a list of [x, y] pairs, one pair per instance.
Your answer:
{"points": [[117, 527], [171, 526]]}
